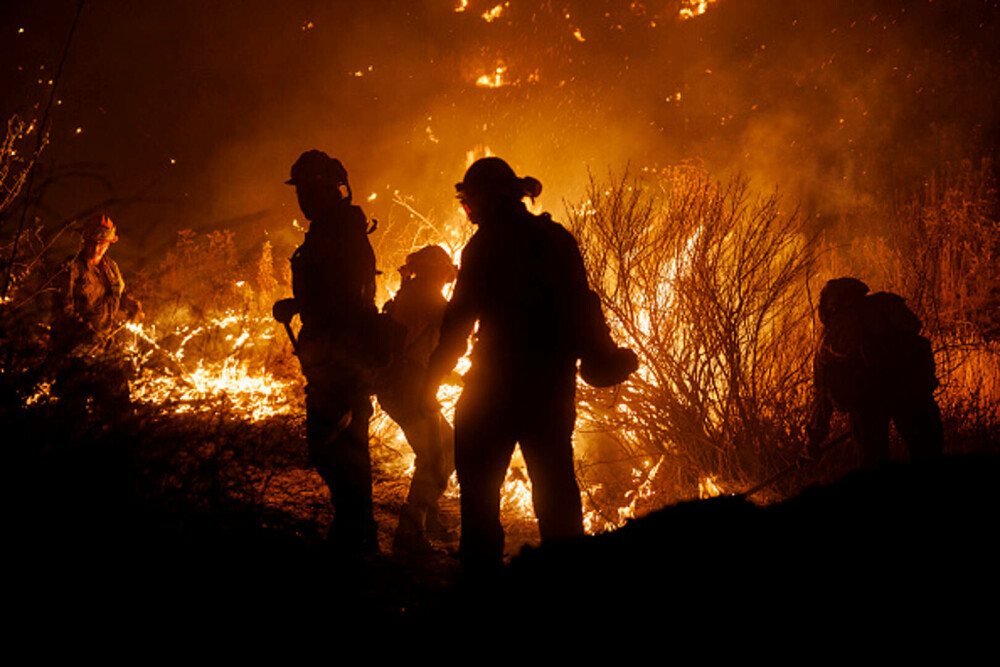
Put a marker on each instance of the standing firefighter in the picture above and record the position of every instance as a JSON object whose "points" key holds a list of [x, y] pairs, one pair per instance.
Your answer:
{"points": [[874, 364], [333, 281], [420, 306], [91, 305], [523, 280]]}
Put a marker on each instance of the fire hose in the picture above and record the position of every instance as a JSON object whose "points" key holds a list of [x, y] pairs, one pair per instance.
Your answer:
{"points": [[804, 458]]}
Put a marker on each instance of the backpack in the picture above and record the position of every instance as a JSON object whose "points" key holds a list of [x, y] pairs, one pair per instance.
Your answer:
{"points": [[874, 355]]}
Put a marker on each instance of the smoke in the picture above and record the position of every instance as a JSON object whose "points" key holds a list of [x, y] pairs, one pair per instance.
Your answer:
{"points": [[196, 110]]}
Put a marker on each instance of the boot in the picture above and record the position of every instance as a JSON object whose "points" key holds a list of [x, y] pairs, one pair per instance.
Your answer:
{"points": [[437, 529], [410, 536]]}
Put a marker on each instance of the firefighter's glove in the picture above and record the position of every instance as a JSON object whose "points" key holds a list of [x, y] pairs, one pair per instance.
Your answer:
{"points": [[284, 310]]}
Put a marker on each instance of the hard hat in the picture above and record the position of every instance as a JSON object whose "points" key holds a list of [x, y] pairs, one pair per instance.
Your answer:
{"points": [[99, 228], [430, 261], [318, 167], [838, 294], [492, 176]]}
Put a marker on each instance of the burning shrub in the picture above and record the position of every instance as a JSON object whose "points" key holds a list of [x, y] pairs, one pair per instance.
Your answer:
{"points": [[708, 284], [210, 335]]}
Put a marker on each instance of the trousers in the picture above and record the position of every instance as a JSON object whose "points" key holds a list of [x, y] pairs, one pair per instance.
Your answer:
{"points": [[488, 424], [338, 411]]}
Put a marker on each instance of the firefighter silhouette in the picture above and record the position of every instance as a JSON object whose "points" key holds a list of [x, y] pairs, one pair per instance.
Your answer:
{"points": [[873, 364], [523, 281], [333, 281], [419, 306]]}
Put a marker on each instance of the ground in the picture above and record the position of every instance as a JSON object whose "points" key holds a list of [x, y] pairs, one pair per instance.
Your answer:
{"points": [[226, 519], [213, 505]]}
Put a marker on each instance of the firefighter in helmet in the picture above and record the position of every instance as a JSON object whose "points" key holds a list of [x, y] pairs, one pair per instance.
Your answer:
{"points": [[523, 280], [333, 282], [419, 306], [874, 365], [92, 304]]}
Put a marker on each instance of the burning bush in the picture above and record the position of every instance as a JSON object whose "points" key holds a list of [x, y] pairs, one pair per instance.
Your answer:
{"points": [[712, 286], [708, 284]]}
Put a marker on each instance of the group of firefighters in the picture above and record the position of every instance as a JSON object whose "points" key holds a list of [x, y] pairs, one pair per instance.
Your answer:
{"points": [[523, 282], [522, 294]]}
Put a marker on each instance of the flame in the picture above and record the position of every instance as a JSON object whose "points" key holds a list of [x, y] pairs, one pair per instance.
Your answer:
{"points": [[42, 393], [494, 80], [515, 494], [493, 14], [708, 488], [251, 392], [692, 8], [478, 152]]}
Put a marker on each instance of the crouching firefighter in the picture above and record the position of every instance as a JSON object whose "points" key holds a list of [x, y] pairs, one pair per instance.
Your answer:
{"points": [[873, 364], [333, 282]]}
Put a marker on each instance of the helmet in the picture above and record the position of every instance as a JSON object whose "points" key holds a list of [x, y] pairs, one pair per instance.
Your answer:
{"points": [[431, 261], [839, 294], [99, 228], [318, 167], [492, 176]]}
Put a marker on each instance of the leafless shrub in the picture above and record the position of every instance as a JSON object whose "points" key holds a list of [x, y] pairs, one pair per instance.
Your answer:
{"points": [[707, 283], [407, 230], [16, 159]]}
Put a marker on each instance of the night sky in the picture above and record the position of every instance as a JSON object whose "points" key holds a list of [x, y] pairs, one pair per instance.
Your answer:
{"points": [[189, 113]]}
